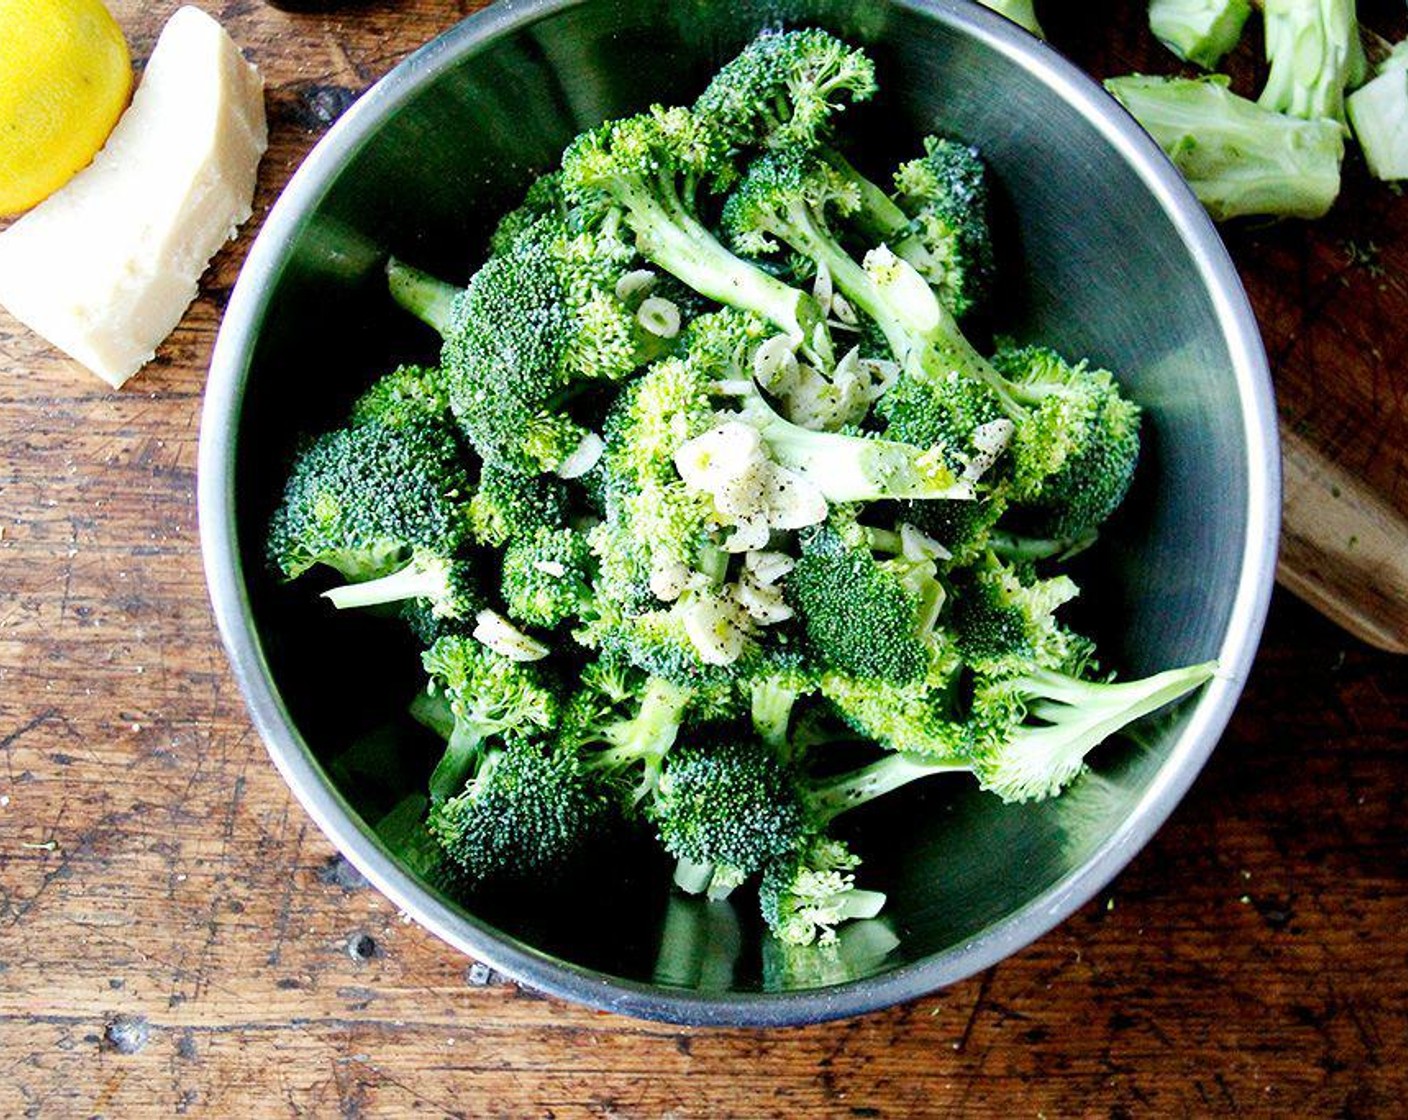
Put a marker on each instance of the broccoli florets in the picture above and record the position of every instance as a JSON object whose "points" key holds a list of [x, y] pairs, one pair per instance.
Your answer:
{"points": [[491, 697], [362, 499], [725, 802], [806, 893], [507, 504], [526, 812], [547, 577], [1003, 617], [407, 392], [866, 617]]}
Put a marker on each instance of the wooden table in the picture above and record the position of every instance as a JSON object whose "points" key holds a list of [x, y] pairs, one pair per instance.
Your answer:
{"points": [[178, 938]]}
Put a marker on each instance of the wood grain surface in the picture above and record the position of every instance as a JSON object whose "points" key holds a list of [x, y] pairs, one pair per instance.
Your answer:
{"points": [[177, 938]]}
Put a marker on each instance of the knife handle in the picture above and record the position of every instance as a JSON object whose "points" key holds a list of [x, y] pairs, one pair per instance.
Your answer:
{"points": [[1344, 549]]}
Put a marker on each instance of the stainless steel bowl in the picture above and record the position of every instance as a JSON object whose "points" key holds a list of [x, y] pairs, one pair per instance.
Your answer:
{"points": [[1108, 255]]}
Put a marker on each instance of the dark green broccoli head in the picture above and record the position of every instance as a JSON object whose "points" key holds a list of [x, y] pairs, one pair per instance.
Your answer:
{"points": [[862, 616], [543, 198], [726, 799], [526, 813], [407, 392], [1075, 455], [918, 718], [784, 88], [507, 505], [945, 413], [361, 499], [946, 193], [547, 577], [785, 196], [1003, 618]]}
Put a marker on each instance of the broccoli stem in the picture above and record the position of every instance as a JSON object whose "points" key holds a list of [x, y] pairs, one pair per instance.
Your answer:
{"points": [[416, 580], [647, 737], [668, 234], [429, 299], [461, 753], [432, 710], [772, 702], [880, 219], [1031, 762], [830, 798], [1013, 546], [692, 877]]}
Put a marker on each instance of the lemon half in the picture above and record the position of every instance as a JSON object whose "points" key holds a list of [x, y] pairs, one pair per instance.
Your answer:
{"points": [[65, 76]]}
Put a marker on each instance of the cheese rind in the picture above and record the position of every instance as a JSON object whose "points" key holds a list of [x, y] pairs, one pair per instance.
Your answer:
{"points": [[105, 268]]}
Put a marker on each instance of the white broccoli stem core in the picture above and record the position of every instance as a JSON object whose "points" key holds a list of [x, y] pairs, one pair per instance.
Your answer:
{"points": [[414, 581]]}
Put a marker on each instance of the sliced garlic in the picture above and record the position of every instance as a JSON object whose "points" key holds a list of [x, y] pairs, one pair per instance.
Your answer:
{"points": [[844, 312], [552, 568], [505, 639], [775, 364], [582, 458], [989, 441], [764, 604], [716, 627], [659, 316], [722, 453], [669, 580], [917, 545], [768, 567], [636, 282], [822, 287]]}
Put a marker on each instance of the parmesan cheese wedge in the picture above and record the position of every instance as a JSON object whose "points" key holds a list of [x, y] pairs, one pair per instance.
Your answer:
{"points": [[105, 268]]}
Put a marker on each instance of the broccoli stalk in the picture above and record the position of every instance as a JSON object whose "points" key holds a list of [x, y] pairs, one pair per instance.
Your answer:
{"points": [[1199, 31], [652, 165], [1379, 113], [1020, 12], [1240, 158], [447, 585], [1315, 51]]}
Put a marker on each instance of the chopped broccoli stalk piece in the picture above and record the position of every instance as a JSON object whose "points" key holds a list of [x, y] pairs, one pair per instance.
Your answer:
{"points": [[1314, 49], [1239, 157], [1199, 31], [1379, 113], [1020, 12]]}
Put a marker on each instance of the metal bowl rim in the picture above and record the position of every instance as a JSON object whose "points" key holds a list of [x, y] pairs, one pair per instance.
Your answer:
{"points": [[520, 961]]}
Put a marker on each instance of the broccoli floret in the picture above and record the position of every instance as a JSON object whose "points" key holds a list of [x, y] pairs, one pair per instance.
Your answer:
{"points": [[773, 698], [362, 499], [526, 812], [917, 718], [507, 504], [491, 698], [807, 892], [407, 392], [783, 89], [869, 618], [1003, 617], [616, 738], [725, 802], [1033, 730], [945, 192], [1199, 31], [1074, 457], [1314, 50], [543, 198], [547, 577], [547, 311], [653, 165], [1239, 157]]}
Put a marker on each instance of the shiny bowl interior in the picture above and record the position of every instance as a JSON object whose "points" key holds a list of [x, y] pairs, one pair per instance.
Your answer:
{"points": [[1105, 255]]}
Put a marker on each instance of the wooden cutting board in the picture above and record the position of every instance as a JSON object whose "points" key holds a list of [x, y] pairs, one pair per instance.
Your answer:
{"points": [[1332, 300]]}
